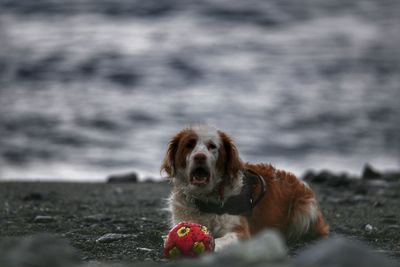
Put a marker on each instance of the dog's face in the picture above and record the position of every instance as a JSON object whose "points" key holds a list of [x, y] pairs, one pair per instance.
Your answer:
{"points": [[200, 157]]}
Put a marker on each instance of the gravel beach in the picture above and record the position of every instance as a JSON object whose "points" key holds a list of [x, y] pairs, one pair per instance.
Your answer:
{"points": [[117, 222]]}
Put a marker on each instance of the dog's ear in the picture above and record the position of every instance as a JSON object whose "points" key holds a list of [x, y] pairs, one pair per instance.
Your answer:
{"points": [[168, 164], [228, 161]]}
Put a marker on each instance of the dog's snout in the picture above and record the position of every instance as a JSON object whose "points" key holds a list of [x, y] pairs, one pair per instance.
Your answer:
{"points": [[200, 157]]}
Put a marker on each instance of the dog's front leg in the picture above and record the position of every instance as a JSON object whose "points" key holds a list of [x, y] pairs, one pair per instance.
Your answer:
{"points": [[226, 240], [237, 232]]}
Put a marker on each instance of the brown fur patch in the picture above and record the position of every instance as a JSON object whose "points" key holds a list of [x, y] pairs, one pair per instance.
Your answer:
{"points": [[286, 198], [178, 149], [228, 161], [243, 230]]}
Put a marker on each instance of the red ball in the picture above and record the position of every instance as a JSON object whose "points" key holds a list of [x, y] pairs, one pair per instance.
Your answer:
{"points": [[188, 239]]}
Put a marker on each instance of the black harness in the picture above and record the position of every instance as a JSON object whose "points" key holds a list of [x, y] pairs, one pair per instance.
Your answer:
{"points": [[241, 204]]}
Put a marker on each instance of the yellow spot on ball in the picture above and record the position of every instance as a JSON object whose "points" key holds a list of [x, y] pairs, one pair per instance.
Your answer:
{"points": [[183, 231], [174, 253], [198, 247], [204, 229]]}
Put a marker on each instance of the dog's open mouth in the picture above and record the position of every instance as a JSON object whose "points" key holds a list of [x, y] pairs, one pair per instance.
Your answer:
{"points": [[199, 176]]}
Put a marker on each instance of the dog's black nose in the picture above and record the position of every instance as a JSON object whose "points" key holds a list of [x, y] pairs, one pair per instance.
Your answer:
{"points": [[200, 157]]}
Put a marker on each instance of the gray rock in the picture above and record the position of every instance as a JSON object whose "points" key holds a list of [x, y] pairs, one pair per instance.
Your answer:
{"points": [[112, 237], [123, 178], [340, 252], [369, 228], [33, 196], [43, 250], [328, 178], [370, 173], [97, 218], [268, 246], [43, 219]]}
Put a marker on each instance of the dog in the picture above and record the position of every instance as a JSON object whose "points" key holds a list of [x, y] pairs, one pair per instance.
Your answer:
{"points": [[235, 200]]}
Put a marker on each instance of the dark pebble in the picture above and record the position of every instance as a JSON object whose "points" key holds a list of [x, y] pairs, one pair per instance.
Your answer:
{"points": [[123, 178], [328, 178], [378, 204], [370, 173], [33, 196], [312, 177], [43, 219], [339, 181], [97, 218]]}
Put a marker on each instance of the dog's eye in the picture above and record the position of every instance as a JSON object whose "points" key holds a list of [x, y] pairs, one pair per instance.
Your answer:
{"points": [[211, 146], [191, 144]]}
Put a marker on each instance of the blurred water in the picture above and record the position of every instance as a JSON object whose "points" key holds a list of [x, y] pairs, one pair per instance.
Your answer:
{"points": [[89, 88]]}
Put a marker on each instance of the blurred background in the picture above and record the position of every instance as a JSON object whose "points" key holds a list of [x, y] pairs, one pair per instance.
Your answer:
{"points": [[90, 88]]}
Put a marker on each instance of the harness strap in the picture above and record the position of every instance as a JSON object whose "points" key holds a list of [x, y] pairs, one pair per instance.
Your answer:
{"points": [[241, 204], [263, 187]]}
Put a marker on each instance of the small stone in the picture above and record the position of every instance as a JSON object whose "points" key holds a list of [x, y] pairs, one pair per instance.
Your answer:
{"points": [[43, 219], [378, 204], [328, 178], [83, 207], [96, 218], [309, 176], [319, 178], [33, 196], [145, 249], [123, 178], [369, 228], [339, 181], [149, 180], [112, 237]]}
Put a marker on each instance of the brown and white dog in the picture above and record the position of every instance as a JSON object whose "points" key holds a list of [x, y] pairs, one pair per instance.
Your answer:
{"points": [[205, 167]]}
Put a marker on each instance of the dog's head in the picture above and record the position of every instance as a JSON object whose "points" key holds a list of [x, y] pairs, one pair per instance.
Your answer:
{"points": [[200, 157]]}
